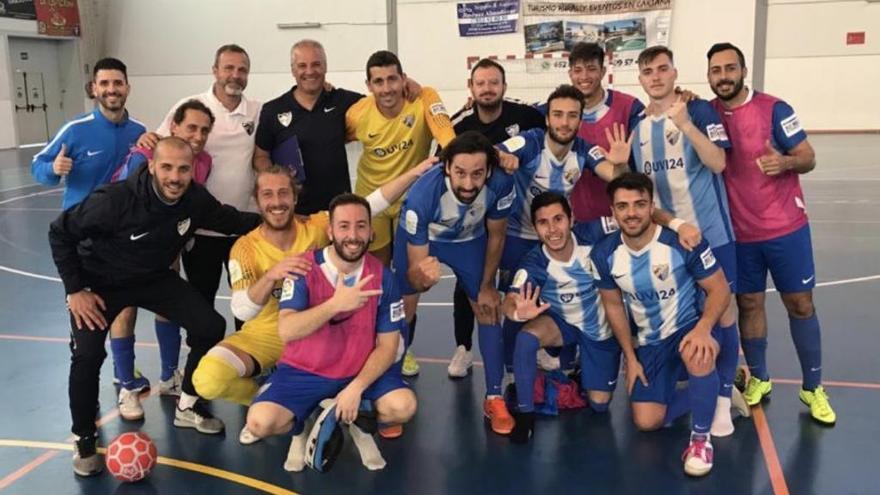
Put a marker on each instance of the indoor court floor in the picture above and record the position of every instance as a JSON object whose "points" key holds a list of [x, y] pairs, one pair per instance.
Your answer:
{"points": [[447, 448]]}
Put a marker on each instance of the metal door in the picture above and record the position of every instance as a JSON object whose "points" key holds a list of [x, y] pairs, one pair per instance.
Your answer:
{"points": [[30, 108]]}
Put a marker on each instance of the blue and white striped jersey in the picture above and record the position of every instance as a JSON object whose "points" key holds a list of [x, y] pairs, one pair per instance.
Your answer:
{"points": [[540, 171], [683, 185], [431, 212], [567, 286], [659, 282]]}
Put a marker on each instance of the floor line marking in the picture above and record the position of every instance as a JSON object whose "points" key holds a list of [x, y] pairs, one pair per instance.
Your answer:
{"points": [[166, 461], [10, 189], [768, 448], [31, 195], [19, 473]]}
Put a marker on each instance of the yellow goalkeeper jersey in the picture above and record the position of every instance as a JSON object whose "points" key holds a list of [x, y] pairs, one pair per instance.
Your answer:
{"points": [[393, 146]]}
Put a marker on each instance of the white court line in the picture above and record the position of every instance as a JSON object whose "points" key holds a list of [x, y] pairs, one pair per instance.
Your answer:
{"points": [[6, 208], [20, 187], [444, 304], [31, 195]]}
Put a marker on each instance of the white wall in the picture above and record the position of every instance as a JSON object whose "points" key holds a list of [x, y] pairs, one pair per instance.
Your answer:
{"points": [[831, 85], [169, 45], [433, 53]]}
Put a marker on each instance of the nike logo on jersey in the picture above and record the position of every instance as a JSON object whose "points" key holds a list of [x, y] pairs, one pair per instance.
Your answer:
{"points": [[612, 383], [565, 284], [138, 236], [808, 280], [618, 276], [371, 136], [328, 110], [93, 153]]}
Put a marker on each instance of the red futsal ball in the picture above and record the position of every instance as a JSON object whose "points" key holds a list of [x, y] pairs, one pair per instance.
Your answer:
{"points": [[131, 456]]}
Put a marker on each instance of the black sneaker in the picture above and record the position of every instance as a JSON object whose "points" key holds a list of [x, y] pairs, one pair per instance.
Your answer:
{"points": [[524, 429]]}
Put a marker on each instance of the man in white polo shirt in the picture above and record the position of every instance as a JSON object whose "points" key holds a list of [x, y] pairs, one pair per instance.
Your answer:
{"points": [[231, 146]]}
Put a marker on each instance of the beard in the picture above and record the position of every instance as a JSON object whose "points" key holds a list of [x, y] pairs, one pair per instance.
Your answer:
{"points": [[634, 231], [737, 87], [339, 247], [490, 106], [559, 139]]}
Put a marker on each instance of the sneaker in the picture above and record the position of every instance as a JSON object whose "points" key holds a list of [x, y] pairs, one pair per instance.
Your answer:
{"points": [[129, 404], [198, 417], [410, 365], [461, 363], [820, 407], [738, 402], [86, 461], [524, 428], [698, 456], [139, 384], [496, 412], [390, 432], [756, 390], [172, 385], [245, 437], [547, 362]]}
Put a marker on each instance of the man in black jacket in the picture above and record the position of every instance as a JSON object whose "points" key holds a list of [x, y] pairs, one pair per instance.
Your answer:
{"points": [[114, 250]]}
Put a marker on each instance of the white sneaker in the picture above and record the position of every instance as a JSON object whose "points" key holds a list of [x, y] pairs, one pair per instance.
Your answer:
{"points": [[547, 362], [698, 457], [198, 417], [246, 437], [461, 362], [172, 385], [129, 404]]}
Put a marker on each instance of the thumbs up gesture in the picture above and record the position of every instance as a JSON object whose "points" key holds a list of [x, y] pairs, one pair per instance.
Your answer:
{"points": [[772, 162], [62, 164]]}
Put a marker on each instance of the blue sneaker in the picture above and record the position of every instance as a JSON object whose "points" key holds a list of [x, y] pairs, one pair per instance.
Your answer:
{"points": [[139, 384]]}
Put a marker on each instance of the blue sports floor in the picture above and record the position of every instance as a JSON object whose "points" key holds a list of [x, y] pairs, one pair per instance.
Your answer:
{"points": [[447, 448]]}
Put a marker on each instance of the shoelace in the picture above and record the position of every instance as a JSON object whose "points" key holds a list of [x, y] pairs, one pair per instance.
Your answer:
{"points": [[699, 449]]}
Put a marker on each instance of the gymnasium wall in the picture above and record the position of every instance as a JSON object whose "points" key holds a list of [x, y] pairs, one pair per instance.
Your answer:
{"points": [[832, 85]]}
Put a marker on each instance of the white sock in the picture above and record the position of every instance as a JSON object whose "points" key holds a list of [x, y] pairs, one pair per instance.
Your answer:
{"points": [[186, 401], [366, 445], [296, 454], [722, 423]]}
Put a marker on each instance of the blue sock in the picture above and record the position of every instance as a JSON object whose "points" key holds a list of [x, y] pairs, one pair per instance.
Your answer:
{"points": [[511, 328], [703, 393], [525, 369], [756, 357], [678, 406], [727, 358], [808, 343], [168, 335], [123, 358], [599, 407], [491, 348]]}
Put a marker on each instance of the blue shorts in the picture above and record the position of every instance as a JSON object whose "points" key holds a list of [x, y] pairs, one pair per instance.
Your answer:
{"points": [[466, 259], [300, 392], [788, 258], [726, 256], [663, 367], [600, 364], [515, 248], [570, 333]]}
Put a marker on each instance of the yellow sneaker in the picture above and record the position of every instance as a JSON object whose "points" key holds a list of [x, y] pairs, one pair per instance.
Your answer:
{"points": [[410, 365], [820, 407], [756, 390]]}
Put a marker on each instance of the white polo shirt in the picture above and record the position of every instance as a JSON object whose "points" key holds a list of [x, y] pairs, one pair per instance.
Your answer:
{"points": [[231, 146]]}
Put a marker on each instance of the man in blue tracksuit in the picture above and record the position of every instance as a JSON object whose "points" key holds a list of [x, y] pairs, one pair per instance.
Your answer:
{"points": [[87, 150]]}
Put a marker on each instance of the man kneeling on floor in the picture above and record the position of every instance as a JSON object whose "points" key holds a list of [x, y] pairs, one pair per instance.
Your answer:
{"points": [[341, 326]]}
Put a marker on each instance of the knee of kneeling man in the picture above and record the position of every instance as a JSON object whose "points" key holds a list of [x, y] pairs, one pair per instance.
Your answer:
{"points": [[402, 409], [644, 423], [258, 427], [206, 385]]}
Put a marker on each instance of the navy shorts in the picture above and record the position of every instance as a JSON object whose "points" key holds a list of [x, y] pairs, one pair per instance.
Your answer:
{"points": [[788, 258], [600, 364], [466, 259], [663, 367], [300, 392]]}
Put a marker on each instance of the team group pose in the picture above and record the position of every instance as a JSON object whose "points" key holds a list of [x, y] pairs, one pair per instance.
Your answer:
{"points": [[618, 236]]}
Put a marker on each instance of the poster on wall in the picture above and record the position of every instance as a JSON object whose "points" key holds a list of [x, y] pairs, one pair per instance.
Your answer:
{"points": [[486, 18], [623, 27], [18, 9], [57, 17]]}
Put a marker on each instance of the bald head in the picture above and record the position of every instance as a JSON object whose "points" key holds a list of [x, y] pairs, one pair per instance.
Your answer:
{"points": [[171, 168]]}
